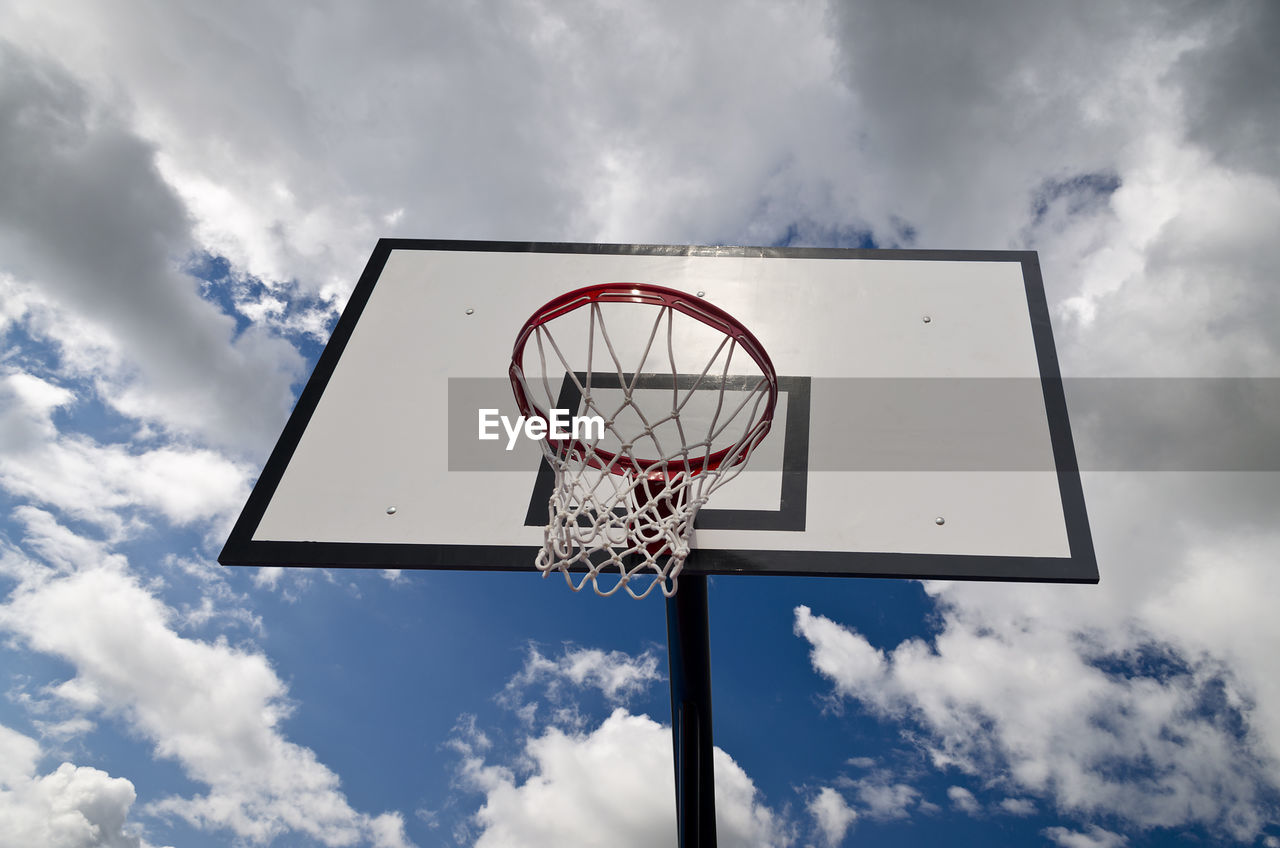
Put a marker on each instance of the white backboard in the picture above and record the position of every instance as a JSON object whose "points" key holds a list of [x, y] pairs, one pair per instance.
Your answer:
{"points": [[921, 429]]}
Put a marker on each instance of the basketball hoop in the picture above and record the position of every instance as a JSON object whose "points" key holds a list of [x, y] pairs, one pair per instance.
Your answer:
{"points": [[625, 499]]}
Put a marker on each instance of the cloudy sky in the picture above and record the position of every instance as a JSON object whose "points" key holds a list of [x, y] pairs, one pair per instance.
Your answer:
{"points": [[188, 194]]}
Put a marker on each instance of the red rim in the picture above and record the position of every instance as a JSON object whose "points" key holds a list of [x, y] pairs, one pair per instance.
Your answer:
{"points": [[644, 293]]}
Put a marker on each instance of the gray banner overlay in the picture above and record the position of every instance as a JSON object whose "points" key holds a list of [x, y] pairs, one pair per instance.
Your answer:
{"points": [[1118, 424]]}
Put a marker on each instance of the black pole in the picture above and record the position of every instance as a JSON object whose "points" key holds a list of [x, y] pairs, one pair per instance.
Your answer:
{"points": [[689, 656]]}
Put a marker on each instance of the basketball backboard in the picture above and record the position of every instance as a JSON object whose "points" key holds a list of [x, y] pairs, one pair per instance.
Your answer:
{"points": [[921, 429]]}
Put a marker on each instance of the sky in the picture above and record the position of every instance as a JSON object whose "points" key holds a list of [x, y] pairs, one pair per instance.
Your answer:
{"points": [[189, 194]]}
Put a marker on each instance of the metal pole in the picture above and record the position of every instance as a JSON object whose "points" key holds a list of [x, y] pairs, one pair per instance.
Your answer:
{"points": [[689, 656]]}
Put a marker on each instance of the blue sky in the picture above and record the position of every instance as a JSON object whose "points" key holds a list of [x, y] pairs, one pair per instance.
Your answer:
{"points": [[190, 195]]}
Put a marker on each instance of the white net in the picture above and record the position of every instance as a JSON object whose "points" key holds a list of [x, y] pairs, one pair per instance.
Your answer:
{"points": [[629, 484]]}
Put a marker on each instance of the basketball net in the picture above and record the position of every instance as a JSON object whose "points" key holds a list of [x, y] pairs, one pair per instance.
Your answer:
{"points": [[624, 501]]}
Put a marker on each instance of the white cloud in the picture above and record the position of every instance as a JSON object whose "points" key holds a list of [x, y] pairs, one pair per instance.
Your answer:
{"points": [[832, 814], [213, 708], [577, 121], [18, 756], [962, 799], [965, 116], [197, 616], [65, 729], [94, 236], [59, 548], [1018, 806], [94, 482], [33, 399], [613, 786], [971, 123], [1225, 111], [1224, 585], [840, 654], [1178, 288], [1095, 837], [1004, 698], [71, 807], [884, 800], [617, 675]]}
